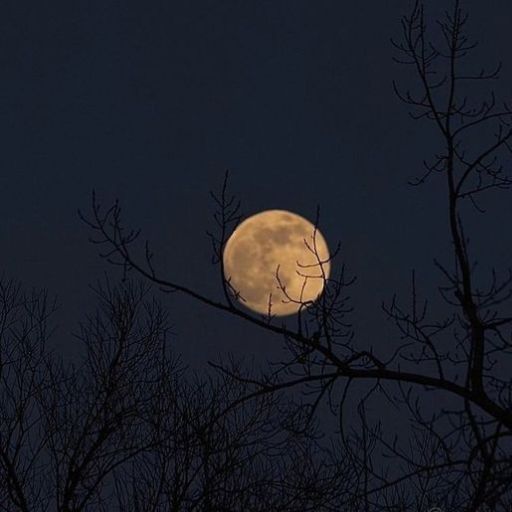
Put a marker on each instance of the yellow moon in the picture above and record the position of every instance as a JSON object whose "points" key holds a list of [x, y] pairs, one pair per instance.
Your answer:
{"points": [[272, 244]]}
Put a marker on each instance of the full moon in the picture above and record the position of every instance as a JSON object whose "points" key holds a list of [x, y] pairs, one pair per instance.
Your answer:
{"points": [[272, 250]]}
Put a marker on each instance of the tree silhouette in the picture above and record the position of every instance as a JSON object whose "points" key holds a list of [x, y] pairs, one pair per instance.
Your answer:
{"points": [[458, 458], [127, 427]]}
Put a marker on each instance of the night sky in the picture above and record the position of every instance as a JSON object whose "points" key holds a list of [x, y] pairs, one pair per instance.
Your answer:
{"points": [[150, 102]]}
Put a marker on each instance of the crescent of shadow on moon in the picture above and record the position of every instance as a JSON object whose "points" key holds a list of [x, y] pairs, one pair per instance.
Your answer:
{"points": [[270, 240]]}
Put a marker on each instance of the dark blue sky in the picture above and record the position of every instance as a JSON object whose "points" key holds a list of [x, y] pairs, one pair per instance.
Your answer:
{"points": [[151, 101]]}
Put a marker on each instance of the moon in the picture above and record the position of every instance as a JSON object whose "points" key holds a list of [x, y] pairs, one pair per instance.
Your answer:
{"points": [[272, 250]]}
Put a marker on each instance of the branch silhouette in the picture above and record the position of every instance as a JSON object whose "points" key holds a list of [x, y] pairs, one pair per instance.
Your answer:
{"points": [[465, 448]]}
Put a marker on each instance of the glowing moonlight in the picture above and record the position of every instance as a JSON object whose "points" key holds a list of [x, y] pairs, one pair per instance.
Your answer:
{"points": [[272, 240]]}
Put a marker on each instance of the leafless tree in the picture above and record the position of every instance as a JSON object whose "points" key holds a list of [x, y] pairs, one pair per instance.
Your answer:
{"points": [[217, 456], [464, 355], [126, 426], [23, 373]]}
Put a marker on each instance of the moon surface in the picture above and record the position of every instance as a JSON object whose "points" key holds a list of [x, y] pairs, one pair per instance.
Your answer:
{"points": [[272, 244]]}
